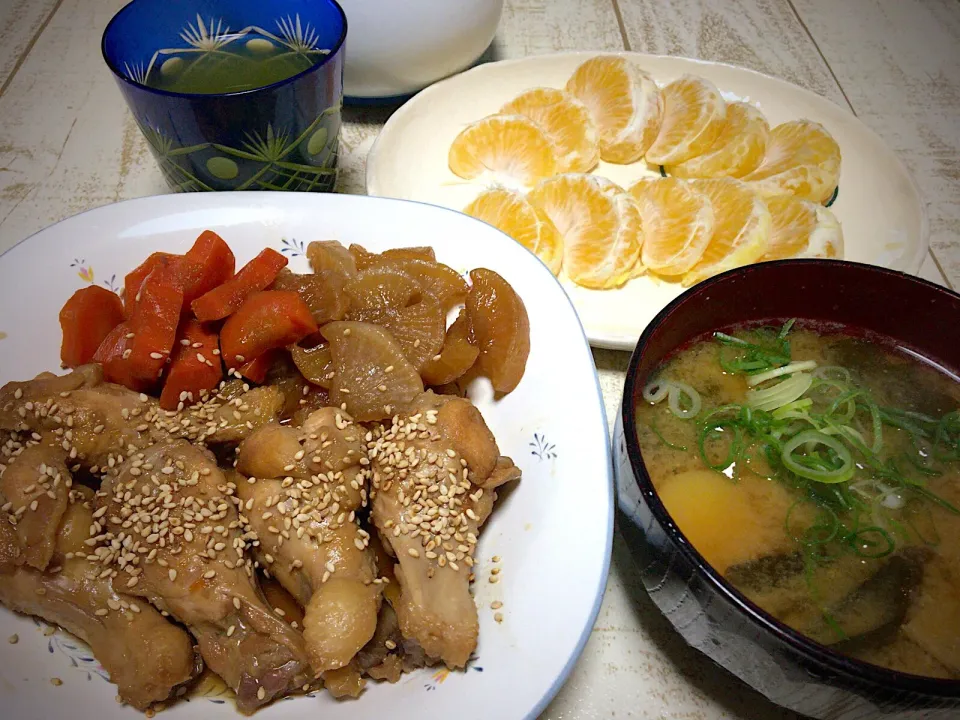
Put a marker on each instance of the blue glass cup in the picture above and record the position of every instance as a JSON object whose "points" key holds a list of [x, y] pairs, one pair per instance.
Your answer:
{"points": [[282, 136]]}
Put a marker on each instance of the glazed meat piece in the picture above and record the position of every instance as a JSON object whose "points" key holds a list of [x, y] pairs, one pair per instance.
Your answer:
{"points": [[433, 470], [146, 656], [100, 424], [34, 489], [304, 488], [95, 423], [167, 528]]}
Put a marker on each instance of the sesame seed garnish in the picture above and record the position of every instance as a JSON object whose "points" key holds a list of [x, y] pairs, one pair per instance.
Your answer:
{"points": [[100, 612], [496, 558], [494, 579], [498, 617], [13, 639], [496, 605], [390, 645], [413, 552], [230, 630], [156, 355], [236, 603], [172, 574], [261, 693], [56, 682]]}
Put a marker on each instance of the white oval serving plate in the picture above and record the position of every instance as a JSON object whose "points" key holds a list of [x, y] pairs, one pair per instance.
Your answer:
{"points": [[553, 530], [884, 220]]}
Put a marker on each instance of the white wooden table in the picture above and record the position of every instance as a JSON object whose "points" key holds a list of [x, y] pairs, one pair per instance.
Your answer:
{"points": [[67, 144]]}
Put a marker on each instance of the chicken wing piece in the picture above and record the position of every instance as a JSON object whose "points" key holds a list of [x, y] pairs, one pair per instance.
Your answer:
{"points": [[167, 529], [232, 413], [431, 469], [33, 492], [95, 423], [147, 656], [305, 486]]}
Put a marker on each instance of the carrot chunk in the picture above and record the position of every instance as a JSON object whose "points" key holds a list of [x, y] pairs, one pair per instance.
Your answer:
{"points": [[86, 319], [268, 319], [154, 325], [256, 370], [226, 299], [195, 366], [210, 263], [114, 355], [134, 279]]}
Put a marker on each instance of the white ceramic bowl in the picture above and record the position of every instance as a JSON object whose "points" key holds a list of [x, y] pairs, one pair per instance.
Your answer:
{"points": [[553, 530], [397, 47]]}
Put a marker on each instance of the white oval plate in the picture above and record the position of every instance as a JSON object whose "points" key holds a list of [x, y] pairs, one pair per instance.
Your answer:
{"points": [[884, 220], [553, 531]]}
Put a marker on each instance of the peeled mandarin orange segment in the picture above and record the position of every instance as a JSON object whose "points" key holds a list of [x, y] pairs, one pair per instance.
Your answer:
{"points": [[511, 213], [802, 229], [371, 374], [382, 288], [417, 327], [600, 226], [625, 104], [322, 291], [314, 363], [442, 282], [801, 159], [332, 256], [741, 230], [458, 355], [501, 328], [693, 117], [507, 146], [677, 224], [567, 123], [737, 151]]}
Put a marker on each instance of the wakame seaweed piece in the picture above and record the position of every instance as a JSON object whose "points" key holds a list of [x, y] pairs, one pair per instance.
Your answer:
{"points": [[877, 608], [768, 571]]}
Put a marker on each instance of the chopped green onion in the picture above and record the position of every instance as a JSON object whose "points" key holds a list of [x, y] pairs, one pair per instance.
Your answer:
{"points": [[812, 466], [656, 431], [784, 392], [656, 391], [793, 367], [675, 396]]}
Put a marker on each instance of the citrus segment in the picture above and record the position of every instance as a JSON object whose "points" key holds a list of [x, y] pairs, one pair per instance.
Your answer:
{"points": [[677, 224], [624, 102], [738, 150], [741, 230], [802, 229], [693, 116], [801, 159], [508, 146], [600, 226], [511, 213], [567, 123]]}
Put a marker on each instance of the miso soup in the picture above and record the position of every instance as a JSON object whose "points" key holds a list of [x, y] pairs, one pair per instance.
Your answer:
{"points": [[818, 471]]}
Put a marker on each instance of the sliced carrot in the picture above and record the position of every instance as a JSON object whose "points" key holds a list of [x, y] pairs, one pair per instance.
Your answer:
{"points": [[154, 325], [256, 370], [86, 319], [227, 299], [195, 366], [210, 263], [268, 319], [114, 355], [135, 278]]}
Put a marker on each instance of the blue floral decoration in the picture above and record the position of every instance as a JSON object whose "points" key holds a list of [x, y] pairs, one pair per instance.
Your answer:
{"points": [[542, 450], [293, 247]]}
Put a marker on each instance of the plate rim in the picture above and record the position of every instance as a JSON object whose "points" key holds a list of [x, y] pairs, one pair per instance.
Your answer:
{"points": [[607, 341], [210, 202]]}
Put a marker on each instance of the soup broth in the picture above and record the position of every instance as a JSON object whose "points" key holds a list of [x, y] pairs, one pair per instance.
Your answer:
{"points": [[818, 471]]}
